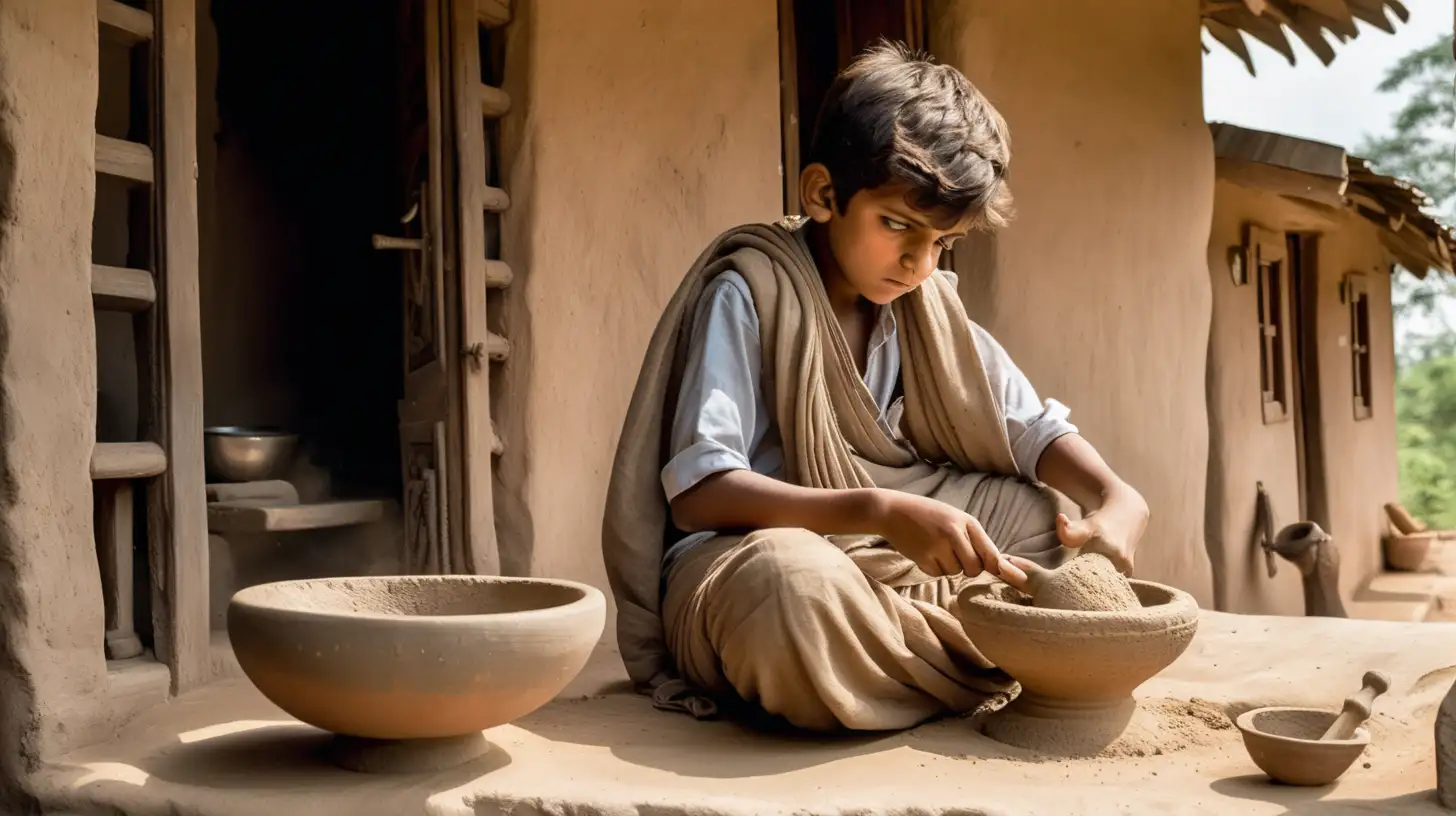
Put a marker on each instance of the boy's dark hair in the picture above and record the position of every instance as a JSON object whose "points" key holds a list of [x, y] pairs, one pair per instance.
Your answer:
{"points": [[894, 115]]}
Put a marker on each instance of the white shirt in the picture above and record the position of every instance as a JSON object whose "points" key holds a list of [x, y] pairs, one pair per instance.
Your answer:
{"points": [[722, 423]]}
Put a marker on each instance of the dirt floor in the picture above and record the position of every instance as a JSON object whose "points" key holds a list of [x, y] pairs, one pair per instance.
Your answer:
{"points": [[599, 749]]}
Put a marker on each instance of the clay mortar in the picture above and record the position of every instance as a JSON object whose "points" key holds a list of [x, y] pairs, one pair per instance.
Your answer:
{"points": [[1077, 669], [409, 671], [1285, 743]]}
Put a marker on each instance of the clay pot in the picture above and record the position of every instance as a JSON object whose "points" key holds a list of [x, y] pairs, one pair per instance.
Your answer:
{"points": [[1409, 553], [1077, 669], [1285, 743], [414, 657]]}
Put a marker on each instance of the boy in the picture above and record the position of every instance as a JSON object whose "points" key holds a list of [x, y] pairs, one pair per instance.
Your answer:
{"points": [[822, 449]]}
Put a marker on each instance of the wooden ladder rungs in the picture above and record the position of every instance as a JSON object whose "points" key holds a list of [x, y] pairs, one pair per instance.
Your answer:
{"points": [[282, 518], [494, 199], [498, 274], [493, 13], [127, 460], [128, 160], [119, 289], [494, 102], [497, 348], [125, 24]]}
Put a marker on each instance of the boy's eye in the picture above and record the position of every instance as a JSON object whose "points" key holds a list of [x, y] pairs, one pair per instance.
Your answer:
{"points": [[897, 226]]}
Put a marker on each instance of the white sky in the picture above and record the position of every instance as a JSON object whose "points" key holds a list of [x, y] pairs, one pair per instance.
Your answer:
{"points": [[1336, 104]]}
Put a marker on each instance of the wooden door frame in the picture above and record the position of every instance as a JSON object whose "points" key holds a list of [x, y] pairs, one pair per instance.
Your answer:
{"points": [[1304, 307]]}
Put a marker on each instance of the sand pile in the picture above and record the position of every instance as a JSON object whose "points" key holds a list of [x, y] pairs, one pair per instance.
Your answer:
{"points": [[1087, 583]]}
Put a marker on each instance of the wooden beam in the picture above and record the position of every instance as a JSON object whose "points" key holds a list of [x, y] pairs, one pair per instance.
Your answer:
{"points": [[124, 24], [494, 199], [224, 517], [494, 102], [118, 289], [481, 549], [127, 460], [123, 159], [492, 13], [114, 544], [177, 518], [1281, 180], [498, 274]]}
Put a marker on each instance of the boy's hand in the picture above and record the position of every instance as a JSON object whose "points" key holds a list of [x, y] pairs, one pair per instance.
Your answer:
{"points": [[1113, 530], [940, 539]]}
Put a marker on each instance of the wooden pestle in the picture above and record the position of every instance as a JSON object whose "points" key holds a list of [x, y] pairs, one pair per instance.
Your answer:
{"points": [[1358, 706]]}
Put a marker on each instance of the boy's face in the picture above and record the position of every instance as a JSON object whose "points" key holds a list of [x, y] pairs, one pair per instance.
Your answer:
{"points": [[884, 246]]}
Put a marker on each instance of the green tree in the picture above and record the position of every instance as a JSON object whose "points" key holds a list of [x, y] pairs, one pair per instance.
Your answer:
{"points": [[1421, 148]]}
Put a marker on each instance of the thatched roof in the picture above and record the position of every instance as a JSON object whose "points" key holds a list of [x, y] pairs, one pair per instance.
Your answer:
{"points": [[1271, 21], [1327, 175]]}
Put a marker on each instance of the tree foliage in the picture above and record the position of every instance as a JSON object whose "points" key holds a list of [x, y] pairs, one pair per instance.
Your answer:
{"points": [[1421, 148]]}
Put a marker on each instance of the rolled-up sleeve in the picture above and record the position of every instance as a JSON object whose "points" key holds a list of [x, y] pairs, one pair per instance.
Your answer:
{"points": [[720, 417], [1031, 423]]}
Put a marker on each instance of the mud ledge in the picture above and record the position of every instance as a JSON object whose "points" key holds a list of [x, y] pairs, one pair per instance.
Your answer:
{"points": [[600, 749]]}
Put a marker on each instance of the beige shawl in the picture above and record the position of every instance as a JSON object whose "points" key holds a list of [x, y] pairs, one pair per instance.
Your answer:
{"points": [[826, 415]]}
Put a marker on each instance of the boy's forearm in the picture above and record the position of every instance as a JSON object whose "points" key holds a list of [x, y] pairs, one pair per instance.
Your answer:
{"points": [[744, 500], [1071, 466]]}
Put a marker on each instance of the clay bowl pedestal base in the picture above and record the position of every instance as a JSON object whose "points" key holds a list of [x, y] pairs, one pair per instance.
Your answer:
{"points": [[405, 756], [1077, 670], [409, 671], [1285, 743]]}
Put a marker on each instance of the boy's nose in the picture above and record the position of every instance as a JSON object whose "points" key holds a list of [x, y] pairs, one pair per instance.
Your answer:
{"points": [[920, 263]]}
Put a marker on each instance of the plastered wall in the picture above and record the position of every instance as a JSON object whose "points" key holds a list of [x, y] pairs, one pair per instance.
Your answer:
{"points": [[52, 673], [1360, 471], [639, 130], [1099, 290]]}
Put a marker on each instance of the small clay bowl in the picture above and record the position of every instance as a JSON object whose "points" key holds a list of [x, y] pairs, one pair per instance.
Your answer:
{"points": [[414, 657], [1285, 743], [1409, 553]]}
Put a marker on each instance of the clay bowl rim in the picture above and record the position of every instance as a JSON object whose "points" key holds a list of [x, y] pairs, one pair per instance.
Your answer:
{"points": [[1178, 611], [590, 596], [1245, 724]]}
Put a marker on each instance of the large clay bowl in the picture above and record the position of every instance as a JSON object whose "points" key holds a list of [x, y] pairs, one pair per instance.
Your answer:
{"points": [[414, 657], [1285, 743], [1079, 659], [1410, 553]]}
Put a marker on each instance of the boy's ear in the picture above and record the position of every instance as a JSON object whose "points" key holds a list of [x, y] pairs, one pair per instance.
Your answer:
{"points": [[816, 193]]}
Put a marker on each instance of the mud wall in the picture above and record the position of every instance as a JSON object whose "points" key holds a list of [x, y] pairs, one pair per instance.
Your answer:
{"points": [[52, 673], [1360, 469], [1099, 290], [639, 130], [1243, 450]]}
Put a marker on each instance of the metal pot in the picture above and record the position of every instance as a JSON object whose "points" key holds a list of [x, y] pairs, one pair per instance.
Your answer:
{"points": [[235, 454]]}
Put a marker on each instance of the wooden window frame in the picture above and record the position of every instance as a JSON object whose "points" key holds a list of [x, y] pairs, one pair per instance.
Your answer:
{"points": [[1268, 255], [1362, 377]]}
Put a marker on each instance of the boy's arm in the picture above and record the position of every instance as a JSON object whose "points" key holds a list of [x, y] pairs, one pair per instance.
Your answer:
{"points": [[1116, 514]]}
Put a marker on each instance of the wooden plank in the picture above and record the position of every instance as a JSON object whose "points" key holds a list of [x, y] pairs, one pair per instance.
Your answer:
{"points": [[492, 13], [118, 289], [789, 106], [274, 491], [123, 159], [498, 274], [123, 23], [178, 518], [114, 532], [491, 199], [476, 198], [1281, 180], [127, 460], [494, 102], [226, 517]]}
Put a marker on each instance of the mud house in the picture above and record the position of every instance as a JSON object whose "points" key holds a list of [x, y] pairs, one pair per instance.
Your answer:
{"points": [[432, 238]]}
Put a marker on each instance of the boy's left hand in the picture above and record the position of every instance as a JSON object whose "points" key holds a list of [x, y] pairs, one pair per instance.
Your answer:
{"points": [[1112, 530]]}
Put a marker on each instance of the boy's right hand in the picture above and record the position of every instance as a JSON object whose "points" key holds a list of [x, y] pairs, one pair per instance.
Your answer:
{"points": [[940, 539]]}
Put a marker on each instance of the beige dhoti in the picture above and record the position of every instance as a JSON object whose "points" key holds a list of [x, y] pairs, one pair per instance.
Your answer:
{"points": [[825, 632], [815, 631]]}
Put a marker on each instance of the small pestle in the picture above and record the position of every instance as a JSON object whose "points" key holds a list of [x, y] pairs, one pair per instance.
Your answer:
{"points": [[1358, 706]]}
